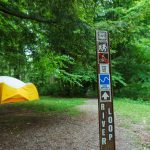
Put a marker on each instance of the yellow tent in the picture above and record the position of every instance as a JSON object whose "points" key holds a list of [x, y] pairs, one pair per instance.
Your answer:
{"points": [[14, 90]]}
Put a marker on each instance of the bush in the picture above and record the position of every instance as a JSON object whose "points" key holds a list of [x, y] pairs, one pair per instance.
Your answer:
{"points": [[136, 91]]}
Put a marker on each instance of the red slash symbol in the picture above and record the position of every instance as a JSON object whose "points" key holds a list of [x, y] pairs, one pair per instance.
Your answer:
{"points": [[103, 58]]}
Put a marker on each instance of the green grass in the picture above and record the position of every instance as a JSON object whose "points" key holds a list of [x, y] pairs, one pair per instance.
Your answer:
{"points": [[133, 112], [17, 116], [45, 104]]}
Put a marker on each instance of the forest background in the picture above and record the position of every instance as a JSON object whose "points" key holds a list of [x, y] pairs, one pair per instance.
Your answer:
{"points": [[52, 44]]}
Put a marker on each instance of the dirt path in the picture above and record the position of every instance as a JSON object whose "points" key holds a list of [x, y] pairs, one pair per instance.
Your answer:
{"points": [[65, 133]]}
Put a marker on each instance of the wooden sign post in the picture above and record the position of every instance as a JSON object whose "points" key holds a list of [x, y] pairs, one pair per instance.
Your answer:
{"points": [[105, 99]]}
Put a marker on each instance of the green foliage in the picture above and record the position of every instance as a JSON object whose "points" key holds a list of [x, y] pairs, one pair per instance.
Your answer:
{"points": [[52, 44], [129, 32]]}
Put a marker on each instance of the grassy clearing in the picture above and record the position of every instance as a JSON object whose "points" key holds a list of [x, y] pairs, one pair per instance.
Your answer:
{"points": [[133, 112], [16, 115], [45, 104]]}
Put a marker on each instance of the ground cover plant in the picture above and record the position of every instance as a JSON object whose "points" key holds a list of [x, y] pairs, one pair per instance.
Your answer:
{"points": [[18, 114], [134, 116], [135, 111]]}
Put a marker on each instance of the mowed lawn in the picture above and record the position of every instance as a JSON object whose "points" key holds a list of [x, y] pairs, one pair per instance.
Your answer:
{"points": [[133, 112]]}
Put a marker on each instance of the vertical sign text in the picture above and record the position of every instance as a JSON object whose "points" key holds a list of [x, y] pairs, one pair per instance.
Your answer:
{"points": [[105, 99]]}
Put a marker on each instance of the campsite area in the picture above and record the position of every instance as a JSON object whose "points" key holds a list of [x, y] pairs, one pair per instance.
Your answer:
{"points": [[74, 127], [74, 74]]}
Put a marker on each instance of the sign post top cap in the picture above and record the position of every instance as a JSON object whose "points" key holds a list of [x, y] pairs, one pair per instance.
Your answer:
{"points": [[102, 35], [101, 30]]}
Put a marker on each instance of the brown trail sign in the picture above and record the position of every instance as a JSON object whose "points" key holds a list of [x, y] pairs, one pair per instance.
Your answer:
{"points": [[105, 99]]}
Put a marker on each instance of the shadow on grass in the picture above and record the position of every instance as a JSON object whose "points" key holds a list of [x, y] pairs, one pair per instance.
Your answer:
{"points": [[21, 116]]}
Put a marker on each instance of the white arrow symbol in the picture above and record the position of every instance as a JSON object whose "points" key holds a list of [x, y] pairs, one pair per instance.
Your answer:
{"points": [[105, 96]]}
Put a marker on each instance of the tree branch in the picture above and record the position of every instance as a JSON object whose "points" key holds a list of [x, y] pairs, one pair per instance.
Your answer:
{"points": [[13, 11]]}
